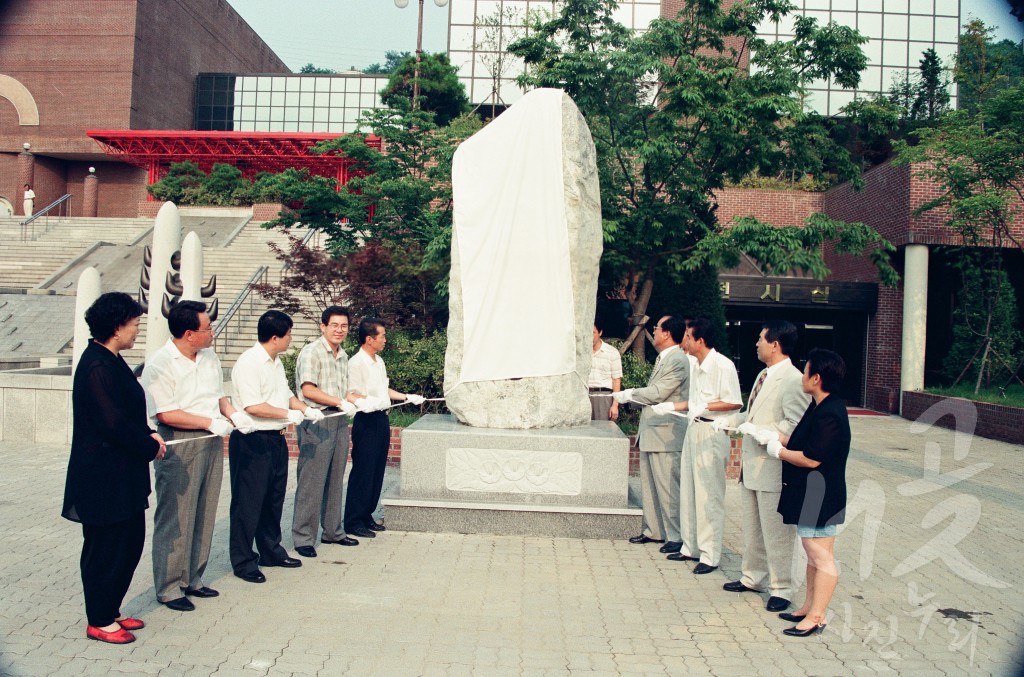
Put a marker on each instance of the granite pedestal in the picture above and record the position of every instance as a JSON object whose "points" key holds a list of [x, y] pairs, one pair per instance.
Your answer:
{"points": [[569, 482]]}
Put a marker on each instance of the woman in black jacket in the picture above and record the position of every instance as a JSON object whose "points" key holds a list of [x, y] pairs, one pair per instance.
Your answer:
{"points": [[108, 485], [814, 484]]}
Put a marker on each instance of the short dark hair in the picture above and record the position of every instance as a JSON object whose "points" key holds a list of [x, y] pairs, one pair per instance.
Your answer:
{"points": [[184, 316], [368, 328], [272, 323], [331, 311], [110, 312], [829, 366], [599, 325], [676, 326], [702, 329], [782, 332]]}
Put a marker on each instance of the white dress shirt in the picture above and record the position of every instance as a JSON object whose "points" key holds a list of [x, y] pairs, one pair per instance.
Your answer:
{"points": [[257, 379], [605, 366], [368, 375], [173, 381], [717, 381]]}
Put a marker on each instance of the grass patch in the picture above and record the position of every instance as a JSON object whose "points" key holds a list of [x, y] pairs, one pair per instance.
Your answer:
{"points": [[1014, 394]]}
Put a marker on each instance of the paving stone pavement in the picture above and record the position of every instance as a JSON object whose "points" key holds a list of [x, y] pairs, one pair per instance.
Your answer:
{"points": [[928, 587]]}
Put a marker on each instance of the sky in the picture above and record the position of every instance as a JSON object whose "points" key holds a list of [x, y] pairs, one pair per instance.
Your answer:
{"points": [[340, 34]]}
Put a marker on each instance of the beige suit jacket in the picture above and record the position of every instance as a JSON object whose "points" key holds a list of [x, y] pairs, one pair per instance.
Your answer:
{"points": [[669, 382], [779, 406]]}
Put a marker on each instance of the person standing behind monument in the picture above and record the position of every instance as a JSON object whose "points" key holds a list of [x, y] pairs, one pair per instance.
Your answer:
{"points": [[605, 378], [371, 431], [259, 455], [705, 451], [186, 390], [660, 436], [321, 381], [776, 404]]}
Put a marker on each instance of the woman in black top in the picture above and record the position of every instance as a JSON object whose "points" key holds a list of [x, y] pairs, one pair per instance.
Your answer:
{"points": [[107, 485], [814, 484]]}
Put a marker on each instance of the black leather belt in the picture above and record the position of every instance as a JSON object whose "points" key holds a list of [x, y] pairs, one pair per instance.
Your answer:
{"points": [[704, 420], [269, 432], [331, 410], [600, 390]]}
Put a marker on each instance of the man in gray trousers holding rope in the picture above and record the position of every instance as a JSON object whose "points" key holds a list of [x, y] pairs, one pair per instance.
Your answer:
{"points": [[185, 389]]}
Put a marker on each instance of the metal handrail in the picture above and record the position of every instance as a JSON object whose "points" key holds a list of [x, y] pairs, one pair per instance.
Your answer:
{"points": [[246, 293], [63, 200], [310, 234]]}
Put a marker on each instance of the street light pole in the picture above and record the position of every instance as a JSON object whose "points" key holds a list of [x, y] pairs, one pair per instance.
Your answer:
{"points": [[402, 4]]}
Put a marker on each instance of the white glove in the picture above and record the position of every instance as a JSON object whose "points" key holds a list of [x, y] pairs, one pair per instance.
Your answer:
{"points": [[295, 417], [663, 408], [313, 414], [719, 423], [766, 436], [348, 408], [623, 395], [367, 404], [697, 408], [243, 422], [413, 398], [220, 426], [748, 428], [775, 448]]}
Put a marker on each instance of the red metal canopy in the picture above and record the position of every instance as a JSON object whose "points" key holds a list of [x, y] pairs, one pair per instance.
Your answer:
{"points": [[251, 152]]}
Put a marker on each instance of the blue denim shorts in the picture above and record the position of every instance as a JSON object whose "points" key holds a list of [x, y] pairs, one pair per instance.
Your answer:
{"points": [[817, 532]]}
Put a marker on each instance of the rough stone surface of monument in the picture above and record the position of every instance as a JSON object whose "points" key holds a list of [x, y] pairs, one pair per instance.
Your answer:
{"points": [[545, 401]]}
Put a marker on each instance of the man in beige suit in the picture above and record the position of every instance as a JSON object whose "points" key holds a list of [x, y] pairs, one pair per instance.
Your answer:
{"points": [[776, 404], [660, 437]]}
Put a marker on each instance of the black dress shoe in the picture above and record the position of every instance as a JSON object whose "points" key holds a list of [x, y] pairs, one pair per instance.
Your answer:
{"points": [[306, 550], [376, 526], [342, 541], [776, 604], [813, 630], [680, 557], [252, 576], [644, 538], [702, 568], [671, 546], [287, 563], [201, 592], [362, 532], [180, 604], [737, 586], [792, 618]]}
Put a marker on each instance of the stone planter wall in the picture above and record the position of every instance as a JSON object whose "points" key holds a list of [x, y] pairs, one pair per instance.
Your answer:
{"points": [[995, 421]]}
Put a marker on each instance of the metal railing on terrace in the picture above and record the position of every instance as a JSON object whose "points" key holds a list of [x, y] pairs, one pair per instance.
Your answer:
{"points": [[28, 226]]}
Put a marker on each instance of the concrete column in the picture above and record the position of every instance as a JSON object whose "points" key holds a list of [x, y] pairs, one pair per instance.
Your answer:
{"points": [[91, 202], [915, 316]]}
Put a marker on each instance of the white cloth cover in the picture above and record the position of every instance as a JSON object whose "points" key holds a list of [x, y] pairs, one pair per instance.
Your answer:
{"points": [[513, 243]]}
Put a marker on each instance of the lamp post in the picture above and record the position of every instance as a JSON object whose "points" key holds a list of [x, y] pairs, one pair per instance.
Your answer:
{"points": [[402, 4]]}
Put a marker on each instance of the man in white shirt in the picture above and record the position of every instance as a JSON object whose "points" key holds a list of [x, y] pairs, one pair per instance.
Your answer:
{"points": [[185, 386], [605, 378], [321, 381], [258, 454], [776, 404], [705, 450], [371, 431]]}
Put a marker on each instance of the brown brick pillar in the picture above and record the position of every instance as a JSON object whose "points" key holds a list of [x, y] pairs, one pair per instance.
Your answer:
{"points": [[90, 205], [26, 174]]}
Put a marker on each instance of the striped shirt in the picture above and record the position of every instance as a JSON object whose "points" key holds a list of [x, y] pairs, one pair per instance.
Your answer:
{"points": [[605, 366], [318, 365]]}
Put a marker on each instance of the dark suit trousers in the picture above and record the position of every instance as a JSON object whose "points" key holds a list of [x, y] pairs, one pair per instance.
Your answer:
{"points": [[259, 478], [110, 554], [371, 436]]}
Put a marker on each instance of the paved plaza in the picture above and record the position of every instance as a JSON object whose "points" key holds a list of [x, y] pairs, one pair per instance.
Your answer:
{"points": [[929, 586]]}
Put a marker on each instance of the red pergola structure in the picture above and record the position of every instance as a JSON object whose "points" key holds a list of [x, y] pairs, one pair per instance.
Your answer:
{"points": [[250, 152]]}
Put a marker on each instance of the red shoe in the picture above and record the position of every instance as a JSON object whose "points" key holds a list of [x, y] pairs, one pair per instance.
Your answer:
{"points": [[131, 623], [120, 636]]}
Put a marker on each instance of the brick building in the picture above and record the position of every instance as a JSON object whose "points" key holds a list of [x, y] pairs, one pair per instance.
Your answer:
{"points": [[71, 65]]}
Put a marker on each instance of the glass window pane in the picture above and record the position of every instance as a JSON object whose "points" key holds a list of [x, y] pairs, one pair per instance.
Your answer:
{"points": [[895, 27], [947, 7], [870, 25], [946, 29], [921, 28], [897, 6], [895, 53], [922, 7]]}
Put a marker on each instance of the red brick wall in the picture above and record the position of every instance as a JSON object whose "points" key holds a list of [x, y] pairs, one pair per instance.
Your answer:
{"points": [[994, 421], [119, 187], [777, 207]]}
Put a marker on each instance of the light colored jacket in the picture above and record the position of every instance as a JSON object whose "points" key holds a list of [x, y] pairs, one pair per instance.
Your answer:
{"points": [[669, 382]]}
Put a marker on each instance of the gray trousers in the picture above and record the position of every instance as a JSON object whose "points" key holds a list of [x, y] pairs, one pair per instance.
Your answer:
{"points": [[320, 475], [702, 493], [768, 544], [188, 483], [659, 489], [600, 406]]}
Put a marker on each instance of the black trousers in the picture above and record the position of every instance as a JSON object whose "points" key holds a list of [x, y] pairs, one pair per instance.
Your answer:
{"points": [[259, 476], [110, 554], [371, 436]]}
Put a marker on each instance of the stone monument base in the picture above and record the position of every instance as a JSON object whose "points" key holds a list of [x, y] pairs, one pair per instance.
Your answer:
{"points": [[566, 482]]}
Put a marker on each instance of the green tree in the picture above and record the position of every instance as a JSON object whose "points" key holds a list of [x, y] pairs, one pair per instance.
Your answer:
{"points": [[181, 177], [675, 114], [931, 97], [391, 60], [441, 92], [310, 68]]}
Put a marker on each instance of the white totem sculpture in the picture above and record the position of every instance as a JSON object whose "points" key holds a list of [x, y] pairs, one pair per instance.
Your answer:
{"points": [[86, 293], [166, 241]]}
